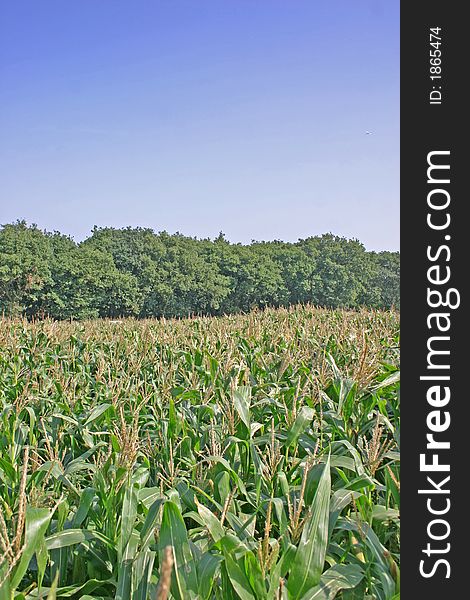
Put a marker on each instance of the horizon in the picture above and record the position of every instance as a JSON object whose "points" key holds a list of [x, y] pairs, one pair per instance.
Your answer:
{"points": [[156, 232], [266, 121]]}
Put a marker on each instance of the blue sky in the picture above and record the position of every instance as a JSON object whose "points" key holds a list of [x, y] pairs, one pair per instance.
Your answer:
{"points": [[200, 116]]}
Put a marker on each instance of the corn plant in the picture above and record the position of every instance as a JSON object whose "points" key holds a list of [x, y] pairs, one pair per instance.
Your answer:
{"points": [[251, 457]]}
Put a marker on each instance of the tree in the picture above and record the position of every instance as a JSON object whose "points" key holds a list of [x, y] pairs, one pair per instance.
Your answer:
{"points": [[25, 256], [256, 280], [136, 272], [387, 279]]}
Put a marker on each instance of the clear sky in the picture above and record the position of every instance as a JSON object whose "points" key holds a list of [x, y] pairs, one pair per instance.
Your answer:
{"points": [[199, 116]]}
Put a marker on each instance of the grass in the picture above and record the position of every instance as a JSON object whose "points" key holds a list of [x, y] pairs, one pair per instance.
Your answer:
{"points": [[244, 457]]}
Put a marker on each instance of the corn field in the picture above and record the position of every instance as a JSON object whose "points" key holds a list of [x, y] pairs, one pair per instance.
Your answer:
{"points": [[251, 457]]}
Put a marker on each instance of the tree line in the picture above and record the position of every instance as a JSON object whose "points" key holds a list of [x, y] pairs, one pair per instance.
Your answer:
{"points": [[135, 272]]}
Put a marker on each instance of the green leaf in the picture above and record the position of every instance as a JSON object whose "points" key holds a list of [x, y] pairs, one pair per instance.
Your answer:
{"points": [[150, 523], [8, 469], [173, 533], [80, 463], [174, 422], [149, 495], [86, 500], [72, 590], [142, 573], [390, 380], [339, 500], [281, 516], [241, 402], [381, 513], [69, 537], [212, 523], [97, 412], [42, 557], [206, 569], [5, 590], [124, 583], [223, 485], [237, 576], [355, 454], [36, 524], [304, 418], [283, 565], [236, 478], [311, 551], [52, 595], [339, 577], [379, 564], [255, 576], [129, 515]]}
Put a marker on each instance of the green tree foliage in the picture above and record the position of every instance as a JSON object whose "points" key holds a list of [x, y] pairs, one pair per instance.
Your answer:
{"points": [[136, 272], [25, 268], [386, 278]]}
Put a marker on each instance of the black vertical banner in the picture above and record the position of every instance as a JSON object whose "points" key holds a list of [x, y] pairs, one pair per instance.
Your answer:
{"points": [[434, 292]]}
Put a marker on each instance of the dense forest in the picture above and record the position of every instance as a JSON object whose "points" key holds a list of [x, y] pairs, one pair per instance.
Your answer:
{"points": [[140, 273]]}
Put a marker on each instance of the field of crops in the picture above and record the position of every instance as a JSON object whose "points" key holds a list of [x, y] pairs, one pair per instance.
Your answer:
{"points": [[243, 457]]}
